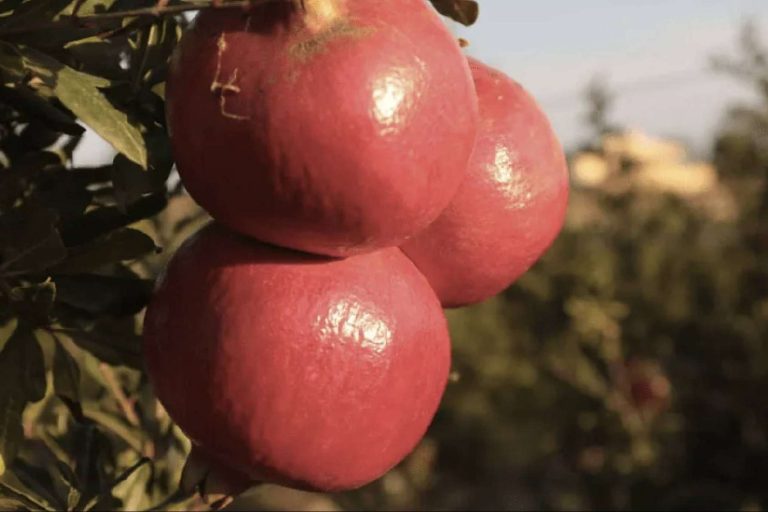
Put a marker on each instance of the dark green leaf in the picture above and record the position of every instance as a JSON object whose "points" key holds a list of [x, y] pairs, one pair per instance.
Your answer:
{"points": [[38, 136], [26, 100], [66, 374], [100, 57], [22, 380], [74, 408], [23, 496], [132, 182], [123, 244], [103, 295], [119, 348], [22, 358], [34, 12], [29, 240], [9, 5], [72, 485], [67, 474], [65, 192], [93, 452], [12, 405], [156, 44], [465, 12], [133, 436], [35, 478], [33, 302], [11, 64], [105, 220]]}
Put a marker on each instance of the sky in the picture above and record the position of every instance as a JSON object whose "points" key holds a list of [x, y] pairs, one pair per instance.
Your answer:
{"points": [[653, 53]]}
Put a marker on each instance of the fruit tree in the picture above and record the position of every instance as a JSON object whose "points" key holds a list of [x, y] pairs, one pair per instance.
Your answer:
{"points": [[252, 291]]}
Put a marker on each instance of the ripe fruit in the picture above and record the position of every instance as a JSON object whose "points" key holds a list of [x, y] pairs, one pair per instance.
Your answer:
{"points": [[292, 368], [510, 206], [338, 127]]}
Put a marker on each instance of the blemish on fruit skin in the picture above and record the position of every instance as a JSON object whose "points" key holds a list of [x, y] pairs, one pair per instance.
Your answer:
{"points": [[230, 87], [351, 321], [308, 48]]}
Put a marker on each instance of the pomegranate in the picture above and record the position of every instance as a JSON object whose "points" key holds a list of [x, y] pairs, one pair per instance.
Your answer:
{"points": [[509, 208], [330, 126], [297, 369]]}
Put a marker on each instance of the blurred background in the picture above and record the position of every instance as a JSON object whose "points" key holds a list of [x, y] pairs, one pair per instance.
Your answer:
{"points": [[628, 369]]}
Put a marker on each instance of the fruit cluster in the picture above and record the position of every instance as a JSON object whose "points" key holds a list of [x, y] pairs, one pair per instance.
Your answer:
{"points": [[362, 174]]}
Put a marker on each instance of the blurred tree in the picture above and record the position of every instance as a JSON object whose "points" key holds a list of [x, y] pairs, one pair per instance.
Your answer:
{"points": [[599, 101]]}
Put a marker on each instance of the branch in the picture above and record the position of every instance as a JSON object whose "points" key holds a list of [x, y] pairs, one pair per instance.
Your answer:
{"points": [[159, 10]]}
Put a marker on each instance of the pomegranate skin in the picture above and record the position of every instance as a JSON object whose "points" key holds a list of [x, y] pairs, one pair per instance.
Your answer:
{"points": [[335, 141], [302, 370], [511, 205]]}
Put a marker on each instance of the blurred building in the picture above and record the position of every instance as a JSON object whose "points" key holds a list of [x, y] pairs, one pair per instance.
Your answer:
{"points": [[635, 161]]}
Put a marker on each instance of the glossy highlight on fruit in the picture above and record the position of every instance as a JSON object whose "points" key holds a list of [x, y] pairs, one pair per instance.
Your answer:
{"points": [[337, 130], [511, 205], [292, 368]]}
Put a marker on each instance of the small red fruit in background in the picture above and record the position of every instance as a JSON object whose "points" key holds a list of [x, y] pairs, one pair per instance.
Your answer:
{"points": [[292, 368], [337, 128], [649, 388], [509, 208]]}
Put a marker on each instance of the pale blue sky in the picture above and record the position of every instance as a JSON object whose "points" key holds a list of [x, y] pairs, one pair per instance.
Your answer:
{"points": [[554, 47]]}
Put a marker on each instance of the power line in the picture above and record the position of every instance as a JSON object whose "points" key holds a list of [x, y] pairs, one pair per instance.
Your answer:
{"points": [[654, 82]]}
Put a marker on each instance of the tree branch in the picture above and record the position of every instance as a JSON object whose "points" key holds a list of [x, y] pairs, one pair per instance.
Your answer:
{"points": [[159, 10]]}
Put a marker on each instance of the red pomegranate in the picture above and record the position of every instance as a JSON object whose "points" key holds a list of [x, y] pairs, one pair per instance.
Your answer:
{"points": [[302, 370], [509, 208], [329, 126]]}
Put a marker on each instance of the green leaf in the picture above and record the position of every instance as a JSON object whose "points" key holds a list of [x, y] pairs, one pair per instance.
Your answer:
{"points": [[80, 93], [465, 12], [121, 245], [66, 374]]}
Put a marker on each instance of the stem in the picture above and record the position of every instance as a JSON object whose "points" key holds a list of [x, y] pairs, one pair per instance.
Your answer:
{"points": [[319, 14]]}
